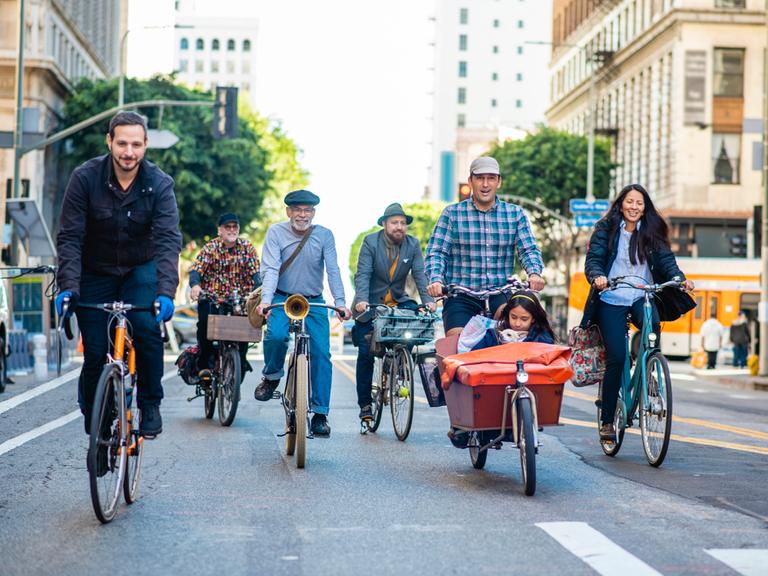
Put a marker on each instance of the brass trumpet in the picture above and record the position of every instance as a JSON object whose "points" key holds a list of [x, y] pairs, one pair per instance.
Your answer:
{"points": [[296, 307]]}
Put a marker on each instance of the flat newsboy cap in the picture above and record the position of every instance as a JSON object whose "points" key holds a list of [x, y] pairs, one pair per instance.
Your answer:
{"points": [[484, 165], [227, 218], [394, 210], [301, 197]]}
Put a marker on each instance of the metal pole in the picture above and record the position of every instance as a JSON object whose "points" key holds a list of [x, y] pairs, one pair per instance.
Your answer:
{"points": [[763, 306], [18, 131], [121, 81], [591, 136]]}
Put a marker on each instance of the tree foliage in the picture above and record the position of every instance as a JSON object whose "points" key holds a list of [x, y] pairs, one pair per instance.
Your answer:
{"points": [[212, 176], [425, 215]]}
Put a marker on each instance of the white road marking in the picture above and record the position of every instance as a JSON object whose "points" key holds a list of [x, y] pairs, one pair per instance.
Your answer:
{"points": [[688, 377], [744, 561], [739, 396], [594, 549], [9, 445], [38, 390]]}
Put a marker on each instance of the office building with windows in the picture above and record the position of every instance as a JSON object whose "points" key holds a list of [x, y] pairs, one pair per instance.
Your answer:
{"points": [[490, 81], [678, 88], [212, 51]]}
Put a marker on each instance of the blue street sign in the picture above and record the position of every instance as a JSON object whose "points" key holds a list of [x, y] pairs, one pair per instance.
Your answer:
{"points": [[581, 205], [586, 220]]}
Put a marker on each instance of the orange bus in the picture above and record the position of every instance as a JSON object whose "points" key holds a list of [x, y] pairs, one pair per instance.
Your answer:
{"points": [[723, 285]]}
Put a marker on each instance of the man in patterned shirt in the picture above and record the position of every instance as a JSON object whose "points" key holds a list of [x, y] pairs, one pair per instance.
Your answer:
{"points": [[474, 244], [225, 264]]}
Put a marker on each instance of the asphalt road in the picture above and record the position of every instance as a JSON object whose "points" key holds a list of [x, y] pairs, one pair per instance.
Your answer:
{"points": [[228, 501]]}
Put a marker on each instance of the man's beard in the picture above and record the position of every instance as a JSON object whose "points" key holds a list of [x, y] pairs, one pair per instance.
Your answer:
{"points": [[301, 226], [395, 239]]}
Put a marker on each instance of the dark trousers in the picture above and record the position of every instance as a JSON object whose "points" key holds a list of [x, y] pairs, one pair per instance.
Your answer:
{"points": [[206, 357], [364, 367], [613, 328], [138, 287], [711, 359], [740, 355]]}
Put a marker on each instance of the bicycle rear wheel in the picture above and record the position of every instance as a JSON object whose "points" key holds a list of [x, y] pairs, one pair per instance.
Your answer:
{"points": [[229, 386], [302, 407], [378, 390], [209, 400], [526, 443], [401, 393], [656, 409], [135, 453], [106, 452], [619, 421]]}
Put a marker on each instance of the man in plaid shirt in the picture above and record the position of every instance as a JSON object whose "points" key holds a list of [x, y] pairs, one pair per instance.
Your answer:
{"points": [[474, 244]]}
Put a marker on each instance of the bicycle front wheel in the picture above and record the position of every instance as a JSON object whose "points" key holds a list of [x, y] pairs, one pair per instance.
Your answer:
{"points": [[106, 451], [476, 456], [302, 407], [229, 386], [378, 390], [401, 393], [135, 453], [656, 409], [526, 443]]}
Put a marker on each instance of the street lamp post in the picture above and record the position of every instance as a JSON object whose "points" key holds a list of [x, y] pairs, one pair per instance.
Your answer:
{"points": [[763, 306], [19, 128]]}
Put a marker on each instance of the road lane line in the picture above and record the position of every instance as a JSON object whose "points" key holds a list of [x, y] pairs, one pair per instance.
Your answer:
{"points": [[9, 445], [347, 371], [38, 390], [678, 438], [594, 549], [692, 421], [744, 561]]}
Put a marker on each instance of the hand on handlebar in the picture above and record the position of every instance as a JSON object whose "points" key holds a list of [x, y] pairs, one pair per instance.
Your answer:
{"points": [[194, 293], [600, 283], [361, 307], [436, 289], [431, 306], [70, 299], [688, 286], [260, 310], [536, 282], [347, 314], [164, 307]]}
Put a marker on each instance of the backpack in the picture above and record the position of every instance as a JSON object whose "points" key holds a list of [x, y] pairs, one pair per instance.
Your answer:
{"points": [[187, 364]]}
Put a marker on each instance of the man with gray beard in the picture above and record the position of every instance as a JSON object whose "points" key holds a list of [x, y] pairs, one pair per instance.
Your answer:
{"points": [[303, 276]]}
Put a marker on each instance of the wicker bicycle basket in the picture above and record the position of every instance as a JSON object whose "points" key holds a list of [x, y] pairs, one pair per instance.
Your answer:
{"points": [[403, 326]]}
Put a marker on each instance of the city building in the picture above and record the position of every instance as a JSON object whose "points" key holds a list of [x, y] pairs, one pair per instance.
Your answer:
{"points": [[490, 81], [677, 86], [213, 51]]}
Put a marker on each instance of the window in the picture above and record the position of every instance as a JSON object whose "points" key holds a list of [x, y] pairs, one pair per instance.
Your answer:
{"points": [[495, 76], [462, 96], [519, 77], [519, 49], [462, 41], [183, 65], [230, 66], [518, 103], [463, 15], [725, 158], [493, 102], [198, 65], [200, 44], [461, 121], [184, 44], [730, 4], [246, 86], [496, 23], [215, 44], [230, 45], [246, 67], [520, 24], [462, 69], [495, 49], [729, 72], [214, 65]]}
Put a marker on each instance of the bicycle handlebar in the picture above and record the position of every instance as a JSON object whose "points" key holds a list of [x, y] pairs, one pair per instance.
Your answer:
{"points": [[111, 307], [619, 281], [339, 311], [513, 285]]}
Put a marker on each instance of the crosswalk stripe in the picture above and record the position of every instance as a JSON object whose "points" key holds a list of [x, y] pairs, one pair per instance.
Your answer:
{"points": [[744, 561], [596, 550]]}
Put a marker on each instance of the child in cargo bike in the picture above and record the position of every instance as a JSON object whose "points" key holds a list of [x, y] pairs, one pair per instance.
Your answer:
{"points": [[522, 319]]}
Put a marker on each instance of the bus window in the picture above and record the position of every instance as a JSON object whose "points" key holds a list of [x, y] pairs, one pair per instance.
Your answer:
{"points": [[699, 306], [713, 301]]}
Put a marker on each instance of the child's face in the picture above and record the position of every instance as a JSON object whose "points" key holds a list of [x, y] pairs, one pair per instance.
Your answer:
{"points": [[520, 319]]}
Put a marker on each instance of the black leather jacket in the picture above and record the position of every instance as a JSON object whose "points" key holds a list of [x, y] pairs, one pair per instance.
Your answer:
{"points": [[106, 231]]}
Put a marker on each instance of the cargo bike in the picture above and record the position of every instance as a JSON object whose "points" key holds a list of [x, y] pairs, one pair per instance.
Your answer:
{"points": [[504, 393]]}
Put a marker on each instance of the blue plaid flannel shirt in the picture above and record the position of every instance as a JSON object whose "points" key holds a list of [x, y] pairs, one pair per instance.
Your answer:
{"points": [[477, 249]]}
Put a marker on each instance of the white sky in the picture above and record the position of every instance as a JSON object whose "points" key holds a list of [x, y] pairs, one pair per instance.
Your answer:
{"points": [[349, 81]]}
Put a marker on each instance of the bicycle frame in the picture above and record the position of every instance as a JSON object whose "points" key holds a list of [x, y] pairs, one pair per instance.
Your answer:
{"points": [[301, 346]]}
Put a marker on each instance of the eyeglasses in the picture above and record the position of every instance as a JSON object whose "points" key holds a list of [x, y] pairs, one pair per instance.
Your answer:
{"points": [[306, 211], [231, 227]]}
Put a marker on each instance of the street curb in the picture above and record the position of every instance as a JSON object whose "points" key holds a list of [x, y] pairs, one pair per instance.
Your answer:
{"points": [[740, 382]]}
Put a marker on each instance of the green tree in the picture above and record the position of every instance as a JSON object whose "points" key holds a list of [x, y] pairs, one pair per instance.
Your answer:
{"points": [[212, 176], [425, 215]]}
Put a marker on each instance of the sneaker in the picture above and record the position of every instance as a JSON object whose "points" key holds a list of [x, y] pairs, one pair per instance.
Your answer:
{"points": [[366, 413], [102, 461], [264, 390], [608, 432], [151, 423], [459, 438], [320, 426]]}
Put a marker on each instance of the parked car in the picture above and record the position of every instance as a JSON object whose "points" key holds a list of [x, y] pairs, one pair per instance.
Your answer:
{"points": [[185, 324]]}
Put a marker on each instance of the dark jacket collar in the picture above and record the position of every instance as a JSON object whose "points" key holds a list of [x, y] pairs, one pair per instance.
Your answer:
{"points": [[143, 182]]}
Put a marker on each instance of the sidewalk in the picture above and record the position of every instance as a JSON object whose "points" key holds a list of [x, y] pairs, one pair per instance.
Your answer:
{"points": [[736, 378]]}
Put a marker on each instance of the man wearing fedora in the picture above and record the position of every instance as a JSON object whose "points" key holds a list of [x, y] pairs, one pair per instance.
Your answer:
{"points": [[475, 243], [386, 258], [303, 275], [225, 264]]}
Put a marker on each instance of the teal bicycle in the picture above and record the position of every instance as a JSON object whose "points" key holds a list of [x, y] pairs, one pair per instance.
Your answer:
{"points": [[646, 389]]}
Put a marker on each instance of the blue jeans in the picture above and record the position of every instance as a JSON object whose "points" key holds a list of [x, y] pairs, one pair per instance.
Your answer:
{"points": [[276, 345], [138, 287], [740, 355]]}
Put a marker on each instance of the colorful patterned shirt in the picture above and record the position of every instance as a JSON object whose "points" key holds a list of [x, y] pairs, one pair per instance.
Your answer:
{"points": [[476, 249], [223, 269]]}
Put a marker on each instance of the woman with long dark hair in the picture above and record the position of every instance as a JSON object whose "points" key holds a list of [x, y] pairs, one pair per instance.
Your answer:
{"points": [[632, 239]]}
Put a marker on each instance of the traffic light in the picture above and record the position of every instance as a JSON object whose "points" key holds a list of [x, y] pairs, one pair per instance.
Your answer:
{"points": [[464, 191], [225, 123], [738, 245]]}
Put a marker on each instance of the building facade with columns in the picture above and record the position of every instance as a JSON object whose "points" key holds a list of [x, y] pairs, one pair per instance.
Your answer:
{"points": [[677, 86]]}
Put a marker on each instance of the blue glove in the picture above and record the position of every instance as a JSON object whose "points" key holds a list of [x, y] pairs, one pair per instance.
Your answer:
{"points": [[166, 308], [60, 302]]}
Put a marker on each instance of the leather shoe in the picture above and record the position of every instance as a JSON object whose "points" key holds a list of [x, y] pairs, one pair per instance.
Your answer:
{"points": [[265, 389], [320, 426], [608, 432], [366, 413], [151, 422]]}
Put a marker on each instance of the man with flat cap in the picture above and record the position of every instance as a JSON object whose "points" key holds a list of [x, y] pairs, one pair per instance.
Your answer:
{"points": [[474, 244], [386, 258], [302, 275], [225, 264]]}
